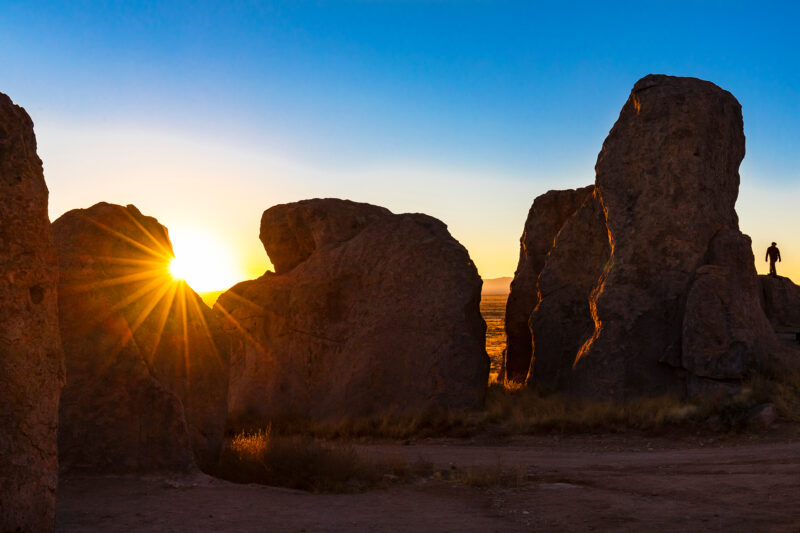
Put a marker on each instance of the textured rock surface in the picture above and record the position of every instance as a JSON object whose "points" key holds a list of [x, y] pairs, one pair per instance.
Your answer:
{"points": [[781, 302], [146, 359], [725, 331], [292, 235], [652, 289], [545, 219], [382, 316], [668, 178], [562, 321], [31, 360]]}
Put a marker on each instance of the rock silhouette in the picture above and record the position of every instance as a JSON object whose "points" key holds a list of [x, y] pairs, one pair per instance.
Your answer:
{"points": [[545, 218], [31, 360], [674, 303], [368, 312], [562, 322], [146, 359], [781, 302]]}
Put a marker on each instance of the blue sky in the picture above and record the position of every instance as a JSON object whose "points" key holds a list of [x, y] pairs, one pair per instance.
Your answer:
{"points": [[204, 114]]}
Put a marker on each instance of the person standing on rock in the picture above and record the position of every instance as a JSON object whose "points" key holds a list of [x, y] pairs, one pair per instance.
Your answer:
{"points": [[773, 254]]}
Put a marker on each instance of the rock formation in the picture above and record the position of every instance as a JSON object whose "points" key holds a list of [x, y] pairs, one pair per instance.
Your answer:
{"points": [[781, 302], [562, 322], [545, 218], [367, 312], [31, 360], [656, 260], [146, 359]]}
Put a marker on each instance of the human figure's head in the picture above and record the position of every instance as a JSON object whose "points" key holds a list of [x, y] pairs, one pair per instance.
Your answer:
{"points": [[774, 244]]}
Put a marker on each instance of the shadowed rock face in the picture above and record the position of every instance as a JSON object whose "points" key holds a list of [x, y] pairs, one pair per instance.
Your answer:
{"points": [[781, 302], [375, 313], [726, 334], [31, 360], [562, 322], [669, 280], [545, 218], [146, 360]]}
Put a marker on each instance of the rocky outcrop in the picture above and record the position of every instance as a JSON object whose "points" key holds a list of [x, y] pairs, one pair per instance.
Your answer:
{"points": [[31, 360], [146, 358], [656, 261], [368, 312], [725, 331], [545, 218], [562, 322], [781, 302]]}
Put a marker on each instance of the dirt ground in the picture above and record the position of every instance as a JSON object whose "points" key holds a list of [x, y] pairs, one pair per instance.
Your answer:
{"points": [[577, 483]]}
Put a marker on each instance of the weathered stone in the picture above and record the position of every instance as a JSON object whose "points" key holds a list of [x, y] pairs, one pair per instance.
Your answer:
{"points": [[146, 359], [292, 235], [31, 360], [376, 313], [562, 321], [668, 179], [652, 289], [725, 332], [545, 219], [781, 303]]}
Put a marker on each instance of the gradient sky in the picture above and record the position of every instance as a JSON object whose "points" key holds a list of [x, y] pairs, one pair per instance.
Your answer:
{"points": [[205, 114]]}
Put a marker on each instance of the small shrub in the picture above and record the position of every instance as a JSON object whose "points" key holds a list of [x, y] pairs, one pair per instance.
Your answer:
{"points": [[251, 446], [295, 462]]}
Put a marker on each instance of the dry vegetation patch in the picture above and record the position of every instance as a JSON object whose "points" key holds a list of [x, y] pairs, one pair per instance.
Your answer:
{"points": [[302, 462], [518, 410], [310, 455], [296, 462]]}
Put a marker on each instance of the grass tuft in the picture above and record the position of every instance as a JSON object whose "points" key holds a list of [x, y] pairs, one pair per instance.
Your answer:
{"points": [[295, 462]]}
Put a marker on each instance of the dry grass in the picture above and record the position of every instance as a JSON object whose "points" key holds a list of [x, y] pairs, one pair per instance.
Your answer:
{"points": [[292, 452], [515, 409], [251, 446], [296, 462], [507, 411], [300, 462]]}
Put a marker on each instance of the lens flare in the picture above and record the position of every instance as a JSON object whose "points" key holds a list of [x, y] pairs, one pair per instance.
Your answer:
{"points": [[202, 261]]}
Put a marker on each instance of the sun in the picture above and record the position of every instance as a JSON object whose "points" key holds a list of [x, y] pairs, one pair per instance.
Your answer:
{"points": [[180, 268], [202, 260]]}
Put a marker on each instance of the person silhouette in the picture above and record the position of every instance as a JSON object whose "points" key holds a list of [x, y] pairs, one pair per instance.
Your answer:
{"points": [[773, 254]]}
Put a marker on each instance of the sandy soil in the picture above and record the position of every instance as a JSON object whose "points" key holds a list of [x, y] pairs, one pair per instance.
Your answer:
{"points": [[594, 483]]}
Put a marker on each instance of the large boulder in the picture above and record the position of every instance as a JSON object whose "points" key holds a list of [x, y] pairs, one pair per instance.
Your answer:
{"points": [[31, 360], [651, 288], [562, 322], [146, 358], [545, 219], [368, 312]]}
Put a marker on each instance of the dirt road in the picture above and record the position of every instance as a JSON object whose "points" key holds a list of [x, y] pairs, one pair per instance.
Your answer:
{"points": [[606, 483]]}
